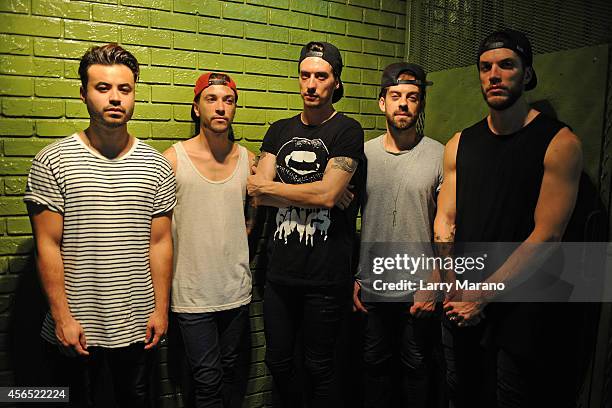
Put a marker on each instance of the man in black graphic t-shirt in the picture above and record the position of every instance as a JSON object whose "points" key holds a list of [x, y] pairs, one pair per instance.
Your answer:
{"points": [[306, 166]]}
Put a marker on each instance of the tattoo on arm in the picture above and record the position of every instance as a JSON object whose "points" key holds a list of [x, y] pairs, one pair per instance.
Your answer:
{"points": [[344, 163], [448, 239], [444, 247]]}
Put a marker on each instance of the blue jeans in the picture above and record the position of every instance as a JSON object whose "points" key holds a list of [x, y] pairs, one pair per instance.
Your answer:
{"points": [[212, 341], [392, 332]]}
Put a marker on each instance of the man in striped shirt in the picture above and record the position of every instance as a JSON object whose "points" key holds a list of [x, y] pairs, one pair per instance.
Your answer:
{"points": [[100, 202]]}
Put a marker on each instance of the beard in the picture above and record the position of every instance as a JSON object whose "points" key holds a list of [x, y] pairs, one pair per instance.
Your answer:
{"points": [[99, 118], [401, 123], [500, 104]]}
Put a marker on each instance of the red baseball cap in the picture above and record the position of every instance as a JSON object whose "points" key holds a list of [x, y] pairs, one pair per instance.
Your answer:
{"points": [[205, 80]]}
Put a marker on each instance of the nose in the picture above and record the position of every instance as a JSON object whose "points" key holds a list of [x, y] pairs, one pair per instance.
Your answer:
{"points": [[403, 103], [219, 107], [494, 74], [114, 97], [310, 83]]}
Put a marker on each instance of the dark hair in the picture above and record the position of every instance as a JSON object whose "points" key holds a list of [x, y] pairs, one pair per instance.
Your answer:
{"points": [[196, 119], [318, 47], [108, 54], [315, 46]]}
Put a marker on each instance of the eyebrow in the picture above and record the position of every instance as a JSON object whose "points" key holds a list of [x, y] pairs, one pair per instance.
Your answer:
{"points": [[409, 93], [108, 83], [302, 71], [508, 59]]}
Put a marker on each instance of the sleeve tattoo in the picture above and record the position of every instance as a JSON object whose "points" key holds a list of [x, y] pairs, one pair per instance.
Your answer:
{"points": [[344, 163]]}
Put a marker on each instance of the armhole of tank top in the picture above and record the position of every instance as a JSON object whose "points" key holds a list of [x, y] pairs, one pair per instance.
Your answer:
{"points": [[244, 159], [180, 155]]}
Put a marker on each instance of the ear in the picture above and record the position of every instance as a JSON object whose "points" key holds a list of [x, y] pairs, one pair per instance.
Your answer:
{"points": [[82, 93], [528, 75], [337, 84], [196, 109], [381, 103]]}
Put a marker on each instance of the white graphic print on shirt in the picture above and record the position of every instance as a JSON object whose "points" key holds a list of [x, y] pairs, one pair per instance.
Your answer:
{"points": [[302, 161], [305, 221]]}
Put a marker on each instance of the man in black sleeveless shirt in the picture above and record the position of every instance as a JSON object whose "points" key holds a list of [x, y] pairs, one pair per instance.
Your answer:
{"points": [[512, 177]]}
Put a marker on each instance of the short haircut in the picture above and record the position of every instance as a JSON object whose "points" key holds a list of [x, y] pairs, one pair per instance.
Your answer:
{"points": [[109, 54]]}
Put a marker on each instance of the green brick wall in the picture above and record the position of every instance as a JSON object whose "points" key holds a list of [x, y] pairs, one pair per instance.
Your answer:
{"points": [[256, 41]]}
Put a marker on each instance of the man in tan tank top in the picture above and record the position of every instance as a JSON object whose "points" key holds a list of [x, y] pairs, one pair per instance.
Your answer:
{"points": [[211, 288]]}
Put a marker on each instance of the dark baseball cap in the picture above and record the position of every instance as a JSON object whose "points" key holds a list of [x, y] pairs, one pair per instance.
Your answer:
{"points": [[332, 56], [515, 41], [392, 72]]}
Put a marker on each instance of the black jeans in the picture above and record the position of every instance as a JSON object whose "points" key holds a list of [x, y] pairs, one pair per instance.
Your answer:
{"points": [[212, 342], [488, 376], [470, 367], [129, 369], [319, 312], [391, 332]]}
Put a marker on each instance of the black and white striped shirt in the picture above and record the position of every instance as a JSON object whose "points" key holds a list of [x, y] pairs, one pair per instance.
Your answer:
{"points": [[107, 205]]}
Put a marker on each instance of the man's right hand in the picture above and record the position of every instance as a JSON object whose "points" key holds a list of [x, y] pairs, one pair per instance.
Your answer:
{"points": [[346, 198], [357, 305], [69, 333], [424, 303]]}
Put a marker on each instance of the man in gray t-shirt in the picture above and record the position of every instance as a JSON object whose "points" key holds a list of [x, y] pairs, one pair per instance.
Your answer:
{"points": [[404, 172]]}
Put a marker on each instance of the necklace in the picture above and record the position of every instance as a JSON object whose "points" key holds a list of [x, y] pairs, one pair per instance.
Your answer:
{"points": [[401, 184]]}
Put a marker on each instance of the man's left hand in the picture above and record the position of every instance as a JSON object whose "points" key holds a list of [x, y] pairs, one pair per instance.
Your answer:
{"points": [[156, 327], [467, 312]]}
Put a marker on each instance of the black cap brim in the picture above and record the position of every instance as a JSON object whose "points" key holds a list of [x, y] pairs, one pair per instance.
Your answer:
{"points": [[338, 93], [533, 81]]}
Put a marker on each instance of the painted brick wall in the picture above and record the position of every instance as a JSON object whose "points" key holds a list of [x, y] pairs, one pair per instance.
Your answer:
{"points": [[257, 41]]}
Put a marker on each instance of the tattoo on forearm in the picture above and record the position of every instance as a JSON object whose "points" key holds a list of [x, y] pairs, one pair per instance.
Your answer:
{"points": [[448, 239], [444, 247], [344, 163]]}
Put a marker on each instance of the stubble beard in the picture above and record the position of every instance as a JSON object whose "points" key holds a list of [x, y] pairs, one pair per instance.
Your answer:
{"points": [[513, 95], [396, 125]]}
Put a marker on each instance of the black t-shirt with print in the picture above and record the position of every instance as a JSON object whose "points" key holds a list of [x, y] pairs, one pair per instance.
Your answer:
{"points": [[313, 246]]}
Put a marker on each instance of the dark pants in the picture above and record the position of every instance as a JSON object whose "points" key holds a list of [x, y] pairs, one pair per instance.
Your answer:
{"points": [[129, 369], [550, 380], [319, 313], [470, 367], [486, 377], [212, 342], [392, 332]]}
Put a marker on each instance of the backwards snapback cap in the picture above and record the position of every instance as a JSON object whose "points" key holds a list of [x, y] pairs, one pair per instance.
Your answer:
{"points": [[392, 72], [332, 56], [205, 80], [515, 41]]}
